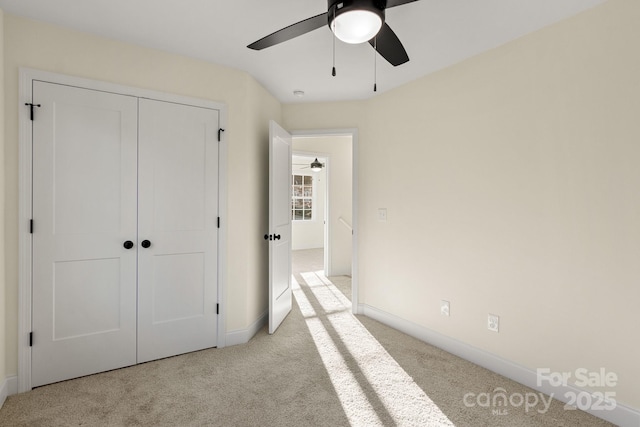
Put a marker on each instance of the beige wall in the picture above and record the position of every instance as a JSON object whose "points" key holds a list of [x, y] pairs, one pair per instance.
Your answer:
{"points": [[511, 182], [46, 47], [253, 162], [339, 149]]}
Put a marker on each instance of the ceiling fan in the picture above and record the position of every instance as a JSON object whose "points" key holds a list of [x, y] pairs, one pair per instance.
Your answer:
{"points": [[315, 166], [352, 21]]}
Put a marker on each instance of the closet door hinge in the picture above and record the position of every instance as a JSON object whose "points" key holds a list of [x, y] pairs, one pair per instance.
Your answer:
{"points": [[220, 130], [31, 226], [217, 308], [31, 105], [218, 222], [30, 339]]}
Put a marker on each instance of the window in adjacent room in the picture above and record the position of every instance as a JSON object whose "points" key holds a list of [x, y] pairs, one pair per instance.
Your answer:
{"points": [[302, 201]]}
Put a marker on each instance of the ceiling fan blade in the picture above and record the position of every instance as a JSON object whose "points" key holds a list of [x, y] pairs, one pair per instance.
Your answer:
{"points": [[290, 32], [389, 46], [394, 3]]}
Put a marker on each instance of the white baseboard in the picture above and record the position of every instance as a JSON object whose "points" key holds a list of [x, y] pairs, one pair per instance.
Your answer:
{"points": [[242, 336], [8, 387], [620, 415]]}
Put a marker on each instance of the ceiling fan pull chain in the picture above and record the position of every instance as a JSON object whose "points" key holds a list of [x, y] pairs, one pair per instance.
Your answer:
{"points": [[375, 64], [333, 33]]}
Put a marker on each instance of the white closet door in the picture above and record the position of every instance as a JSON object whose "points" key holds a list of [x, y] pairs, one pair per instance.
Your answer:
{"points": [[84, 209], [178, 210]]}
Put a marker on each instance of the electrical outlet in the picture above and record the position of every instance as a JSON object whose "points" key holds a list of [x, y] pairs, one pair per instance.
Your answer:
{"points": [[445, 308], [382, 214], [493, 323]]}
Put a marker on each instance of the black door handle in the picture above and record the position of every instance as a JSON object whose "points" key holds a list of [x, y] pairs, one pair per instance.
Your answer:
{"points": [[276, 236], [128, 244], [145, 244], [267, 237]]}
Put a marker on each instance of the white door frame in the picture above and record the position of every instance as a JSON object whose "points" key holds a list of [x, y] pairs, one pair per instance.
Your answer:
{"points": [[25, 95], [326, 229], [353, 133]]}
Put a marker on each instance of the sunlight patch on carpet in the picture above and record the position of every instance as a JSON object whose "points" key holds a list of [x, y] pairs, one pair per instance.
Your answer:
{"points": [[401, 397]]}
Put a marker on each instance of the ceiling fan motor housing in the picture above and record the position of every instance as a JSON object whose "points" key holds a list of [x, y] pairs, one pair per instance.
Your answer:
{"points": [[338, 7]]}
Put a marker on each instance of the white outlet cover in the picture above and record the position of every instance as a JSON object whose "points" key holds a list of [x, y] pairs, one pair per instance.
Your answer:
{"points": [[493, 323], [382, 214], [445, 308]]}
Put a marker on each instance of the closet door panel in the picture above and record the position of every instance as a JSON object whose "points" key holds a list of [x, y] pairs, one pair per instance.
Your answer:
{"points": [[178, 210], [84, 209]]}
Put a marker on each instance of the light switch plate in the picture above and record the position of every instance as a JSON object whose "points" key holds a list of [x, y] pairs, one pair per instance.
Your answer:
{"points": [[445, 309], [493, 323]]}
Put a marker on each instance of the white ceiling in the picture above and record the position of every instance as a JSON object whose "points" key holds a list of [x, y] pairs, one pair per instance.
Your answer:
{"points": [[435, 33]]}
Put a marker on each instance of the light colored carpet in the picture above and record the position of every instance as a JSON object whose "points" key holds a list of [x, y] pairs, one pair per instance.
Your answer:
{"points": [[313, 260], [323, 367]]}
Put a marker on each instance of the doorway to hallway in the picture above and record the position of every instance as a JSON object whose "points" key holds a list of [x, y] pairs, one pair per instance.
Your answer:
{"points": [[342, 246], [339, 148], [331, 198], [310, 206]]}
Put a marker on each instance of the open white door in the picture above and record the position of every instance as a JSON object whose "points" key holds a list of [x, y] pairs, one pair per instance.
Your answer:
{"points": [[279, 237]]}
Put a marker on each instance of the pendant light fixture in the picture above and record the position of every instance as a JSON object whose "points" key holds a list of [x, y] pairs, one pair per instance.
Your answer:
{"points": [[316, 166]]}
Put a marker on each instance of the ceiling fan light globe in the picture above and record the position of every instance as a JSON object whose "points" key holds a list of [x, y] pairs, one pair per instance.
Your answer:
{"points": [[357, 26]]}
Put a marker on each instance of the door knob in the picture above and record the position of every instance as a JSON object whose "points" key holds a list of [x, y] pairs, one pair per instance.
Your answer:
{"points": [[145, 244], [276, 236], [128, 244], [266, 237]]}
